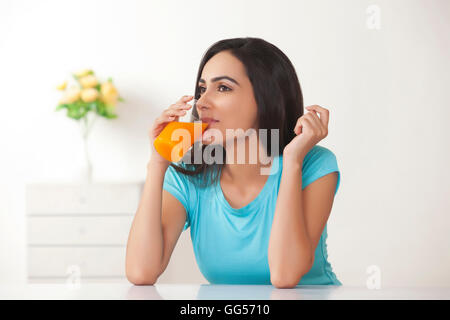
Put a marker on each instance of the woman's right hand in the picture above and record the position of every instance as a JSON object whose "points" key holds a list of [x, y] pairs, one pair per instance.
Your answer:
{"points": [[172, 113]]}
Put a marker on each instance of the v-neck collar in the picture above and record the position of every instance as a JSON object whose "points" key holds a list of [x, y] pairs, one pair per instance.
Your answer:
{"points": [[255, 202]]}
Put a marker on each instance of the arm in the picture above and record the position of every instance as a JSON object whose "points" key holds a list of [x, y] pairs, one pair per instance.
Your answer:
{"points": [[300, 216], [160, 217], [299, 220], [290, 249], [156, 227]]}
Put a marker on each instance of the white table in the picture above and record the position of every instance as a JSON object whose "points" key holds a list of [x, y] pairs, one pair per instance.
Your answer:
{"points": [[108, 291]]}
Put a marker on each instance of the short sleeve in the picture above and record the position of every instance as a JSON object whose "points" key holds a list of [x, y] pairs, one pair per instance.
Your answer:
{"points": [[319, 162], [177, 185]]}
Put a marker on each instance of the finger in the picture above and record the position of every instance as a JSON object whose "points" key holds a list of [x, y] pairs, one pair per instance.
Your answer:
{"points": [[168, 116], [164, 119], [298, 126], [180, 106], [302, 123], [324, 113], [177, 107], [185, 98], [318, 125], [175, 112]]}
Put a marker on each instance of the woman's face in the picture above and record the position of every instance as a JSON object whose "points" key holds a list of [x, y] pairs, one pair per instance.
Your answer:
{"points": [[226, 95]]}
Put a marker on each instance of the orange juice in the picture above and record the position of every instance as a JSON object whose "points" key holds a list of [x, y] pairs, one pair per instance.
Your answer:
{"points": [[176, 138]]}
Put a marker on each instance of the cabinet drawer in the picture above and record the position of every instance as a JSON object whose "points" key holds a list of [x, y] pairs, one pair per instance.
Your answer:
{"points": [[68, 230], [90, 261], [78, 199]]}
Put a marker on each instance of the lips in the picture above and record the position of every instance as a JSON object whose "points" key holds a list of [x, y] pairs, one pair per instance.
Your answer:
{"points": [[209, 120]]}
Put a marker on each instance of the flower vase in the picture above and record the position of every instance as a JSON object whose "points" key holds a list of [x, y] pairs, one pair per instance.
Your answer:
{"points": [[86, 169]]}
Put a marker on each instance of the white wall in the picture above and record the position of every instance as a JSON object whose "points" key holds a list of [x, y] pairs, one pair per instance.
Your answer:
{"points": [[386, 90]]}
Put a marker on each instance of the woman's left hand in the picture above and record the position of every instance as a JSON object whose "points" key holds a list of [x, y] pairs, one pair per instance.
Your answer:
{"points": [[310, 129]]}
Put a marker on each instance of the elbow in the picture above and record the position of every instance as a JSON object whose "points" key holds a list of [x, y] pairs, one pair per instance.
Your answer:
{"points": [[284, 282], [141, 278], [287, 279]]}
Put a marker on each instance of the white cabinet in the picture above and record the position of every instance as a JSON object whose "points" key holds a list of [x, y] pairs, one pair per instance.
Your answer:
{"points": [[79, 230]]}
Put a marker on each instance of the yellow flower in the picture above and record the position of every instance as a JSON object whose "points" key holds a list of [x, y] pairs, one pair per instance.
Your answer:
{"points": [[88, 81], [89, 95], [71, 95], [109, 93], [82, 73], [62, 86]]}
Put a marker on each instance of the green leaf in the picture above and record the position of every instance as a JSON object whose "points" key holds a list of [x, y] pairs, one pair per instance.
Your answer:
{"points": [[100, 107], [72, 113], [61, 106], [77, 110], [110, 79], [121, 99], [93, 106], [111, 116]]}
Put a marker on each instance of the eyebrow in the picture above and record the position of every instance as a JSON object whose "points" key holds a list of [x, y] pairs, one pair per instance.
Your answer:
{"points": [[220, 78]]}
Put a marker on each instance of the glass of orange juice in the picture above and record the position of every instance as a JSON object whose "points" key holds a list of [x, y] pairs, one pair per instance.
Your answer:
{"points": [[177, 137]]}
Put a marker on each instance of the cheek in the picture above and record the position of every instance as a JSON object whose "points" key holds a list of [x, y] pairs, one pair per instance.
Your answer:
{"points": [[248, 112], [240, 115], [236, 121], [245, 119], [237, 111]]}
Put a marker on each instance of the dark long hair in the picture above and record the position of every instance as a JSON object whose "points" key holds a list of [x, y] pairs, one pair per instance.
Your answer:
{"points": [[277, 93]]}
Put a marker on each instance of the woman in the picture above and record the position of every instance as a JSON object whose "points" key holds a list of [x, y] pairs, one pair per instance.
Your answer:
{"points": [[246, 227]]}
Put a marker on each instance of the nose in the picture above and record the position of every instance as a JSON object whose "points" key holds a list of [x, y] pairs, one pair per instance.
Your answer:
{"points": [[202, 103]]}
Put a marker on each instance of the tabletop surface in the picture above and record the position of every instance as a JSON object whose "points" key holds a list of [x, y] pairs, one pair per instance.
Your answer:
{"points": [[94, 291]]}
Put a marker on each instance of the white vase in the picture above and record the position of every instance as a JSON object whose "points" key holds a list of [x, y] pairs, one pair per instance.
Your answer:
{"points": [[86, 168]]}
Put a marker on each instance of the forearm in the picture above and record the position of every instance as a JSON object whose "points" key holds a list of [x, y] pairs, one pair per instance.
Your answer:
{"points": [[290, 251], [145, 241]]}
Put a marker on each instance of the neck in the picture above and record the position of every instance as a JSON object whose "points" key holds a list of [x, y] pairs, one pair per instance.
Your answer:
{"points": [[244, 162]]}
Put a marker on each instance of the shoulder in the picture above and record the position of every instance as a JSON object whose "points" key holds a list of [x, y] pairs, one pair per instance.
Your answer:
{"points": [[318, 162], [319, 156], [189, 181], [172, 175], [179, 185]]}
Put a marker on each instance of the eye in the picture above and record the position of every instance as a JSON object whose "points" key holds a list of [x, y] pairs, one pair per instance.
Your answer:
{"points": [[222, 86], [201, 90]]}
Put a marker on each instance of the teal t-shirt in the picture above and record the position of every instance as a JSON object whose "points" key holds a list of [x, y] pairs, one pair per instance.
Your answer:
{"points": [[231, 245]]}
